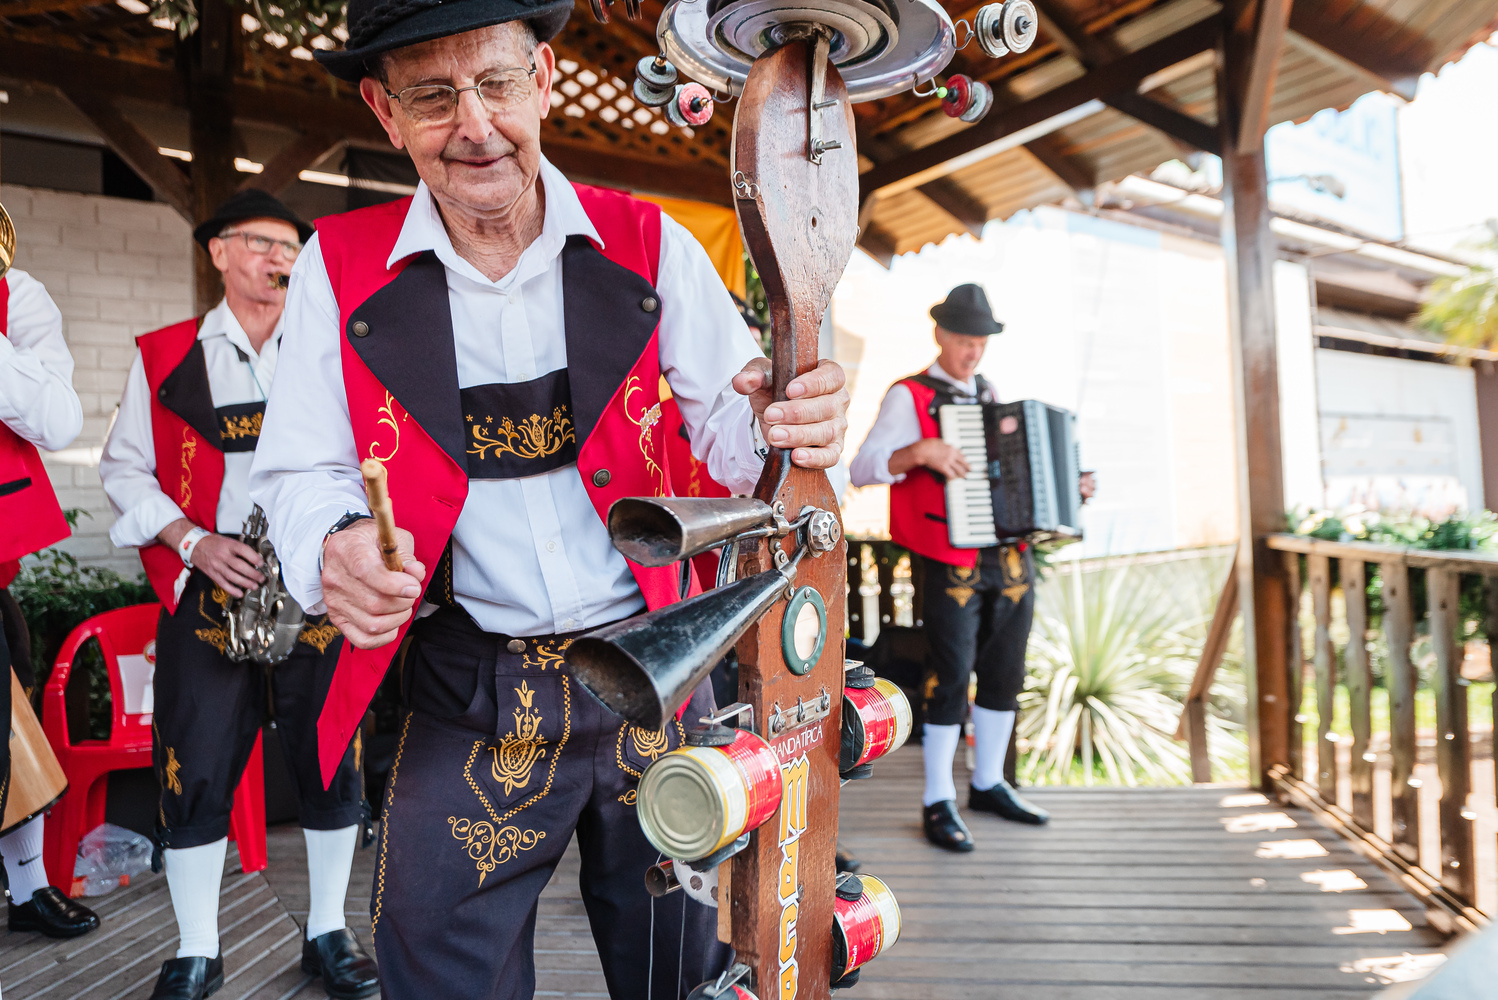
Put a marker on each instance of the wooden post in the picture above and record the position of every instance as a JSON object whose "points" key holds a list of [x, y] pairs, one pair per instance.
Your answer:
{"points": [[209, 58], [1325, 658], [1295, 666], [1245, 77], [1399, 627], [1359, 685], [1453, 747]]}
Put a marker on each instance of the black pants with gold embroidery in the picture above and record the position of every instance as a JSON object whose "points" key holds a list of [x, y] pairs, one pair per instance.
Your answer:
{"points": [[978, 621], [502, 757], [209, 709]]}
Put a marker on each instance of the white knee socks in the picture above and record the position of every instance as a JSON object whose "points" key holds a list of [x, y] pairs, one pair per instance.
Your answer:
{"points": [[194, 875], [939, 748], [330, 857], [22, 848], [991, 731]]}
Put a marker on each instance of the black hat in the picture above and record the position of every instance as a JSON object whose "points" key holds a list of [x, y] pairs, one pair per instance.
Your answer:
{"points": [[966, 311], [376, 26], [251, 203]]}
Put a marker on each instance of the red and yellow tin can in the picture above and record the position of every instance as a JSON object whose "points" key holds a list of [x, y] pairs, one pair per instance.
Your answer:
{"points": [[864, 927], [734, 992], [876, 721], [697, 799]]}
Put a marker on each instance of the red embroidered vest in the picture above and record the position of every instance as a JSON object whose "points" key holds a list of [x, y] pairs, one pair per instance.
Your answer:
{"points": [[918, 503], [29, 513], [189, 448], [401, 380]]}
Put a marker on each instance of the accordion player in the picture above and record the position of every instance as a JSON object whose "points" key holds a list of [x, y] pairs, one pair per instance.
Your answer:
{"points": [[973, 483]]}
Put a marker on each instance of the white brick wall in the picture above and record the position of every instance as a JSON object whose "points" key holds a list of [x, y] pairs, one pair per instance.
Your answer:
{"points": [[116, 269]]}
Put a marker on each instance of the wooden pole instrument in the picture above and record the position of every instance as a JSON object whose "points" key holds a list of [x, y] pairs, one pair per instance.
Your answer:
{"points": [[746, 811], [378, 489]]}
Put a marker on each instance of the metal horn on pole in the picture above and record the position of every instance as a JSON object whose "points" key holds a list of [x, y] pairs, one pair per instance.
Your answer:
{"points": [[658, 531], [645, 668]]}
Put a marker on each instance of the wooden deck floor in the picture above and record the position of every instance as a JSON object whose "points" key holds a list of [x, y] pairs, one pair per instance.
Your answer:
{"points": [[1129, 894]]}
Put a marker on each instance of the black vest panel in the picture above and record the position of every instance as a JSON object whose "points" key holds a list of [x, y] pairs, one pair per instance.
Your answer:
{"points": [[518, 429]]}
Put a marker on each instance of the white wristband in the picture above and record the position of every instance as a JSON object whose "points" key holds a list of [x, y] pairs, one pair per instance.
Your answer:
{"points": [[189, 542]]}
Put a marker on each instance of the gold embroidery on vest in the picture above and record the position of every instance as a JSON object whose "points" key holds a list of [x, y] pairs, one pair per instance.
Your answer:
{"points": [[646, 421], [534, 437], [1016, 580], [189, 452], [629, 797], [246, 426], [549, 653], [488, 846], [387, 417], [517, 753], [358, 749]]}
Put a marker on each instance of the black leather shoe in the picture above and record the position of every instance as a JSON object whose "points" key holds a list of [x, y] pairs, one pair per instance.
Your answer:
{"points": [[846, 862], [945, 828], [189, 978], [347, 971], [1002, 800], [54, 914]]}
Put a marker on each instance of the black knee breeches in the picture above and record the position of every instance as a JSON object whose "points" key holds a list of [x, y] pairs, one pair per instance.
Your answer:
{"points": [[978, 621], [209, 709], [502, 758]]}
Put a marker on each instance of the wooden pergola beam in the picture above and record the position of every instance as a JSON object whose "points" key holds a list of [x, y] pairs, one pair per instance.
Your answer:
{"points": [[1177, 124], [877, 244], [1120, 74], [299, 154], [30, 8], [951, 198], [1096, 50], [1271, 18], [588, 163], [1398, 76], [133, 146]]}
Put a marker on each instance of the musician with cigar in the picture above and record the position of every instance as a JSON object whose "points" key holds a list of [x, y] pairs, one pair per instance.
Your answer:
{"points": [[979, 602], [502, 341], [38, 409], [176, 468]]}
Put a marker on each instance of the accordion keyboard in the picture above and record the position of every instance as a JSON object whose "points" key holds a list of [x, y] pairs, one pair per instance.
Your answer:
{"points": [[970, 499]]}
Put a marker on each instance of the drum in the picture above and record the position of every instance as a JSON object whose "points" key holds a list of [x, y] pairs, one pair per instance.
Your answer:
{"points": [[36, 778]]}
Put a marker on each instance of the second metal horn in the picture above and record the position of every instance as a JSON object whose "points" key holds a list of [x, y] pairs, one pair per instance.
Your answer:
{"points": [[645, 668], [658, 531]]}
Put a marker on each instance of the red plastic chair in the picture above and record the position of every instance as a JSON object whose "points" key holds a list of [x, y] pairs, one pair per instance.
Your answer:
{"points": [[129, 631]]}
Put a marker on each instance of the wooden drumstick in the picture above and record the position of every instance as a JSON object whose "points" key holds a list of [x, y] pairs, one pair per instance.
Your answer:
{"points": [[379, 505]]}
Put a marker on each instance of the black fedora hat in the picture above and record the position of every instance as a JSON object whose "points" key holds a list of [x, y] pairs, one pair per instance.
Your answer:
{"points": [[966, 311], [251, 203], [377, 26]]}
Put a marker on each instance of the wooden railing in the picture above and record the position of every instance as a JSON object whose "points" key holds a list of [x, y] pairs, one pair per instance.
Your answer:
{"points": [[883, 585], [1375, 787]]}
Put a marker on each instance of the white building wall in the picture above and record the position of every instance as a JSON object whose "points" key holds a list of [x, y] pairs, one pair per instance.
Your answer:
{"points": [[1398, 434], [117, 268], [1299, 422]]}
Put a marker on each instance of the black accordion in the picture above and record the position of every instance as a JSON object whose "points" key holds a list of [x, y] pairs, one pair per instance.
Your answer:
{"points": [[1024, 473]]}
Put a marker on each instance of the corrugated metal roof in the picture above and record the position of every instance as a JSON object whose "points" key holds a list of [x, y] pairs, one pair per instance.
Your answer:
{"points": [[1401, 38]]}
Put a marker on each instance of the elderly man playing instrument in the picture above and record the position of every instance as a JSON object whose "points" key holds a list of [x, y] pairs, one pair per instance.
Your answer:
{"points": [[176, 468], [502, 342]]}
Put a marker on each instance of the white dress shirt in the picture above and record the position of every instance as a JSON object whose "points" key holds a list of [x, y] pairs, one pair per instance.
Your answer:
{"points": [[897, 426], [236, 374], [530, 555], [37, 400]]}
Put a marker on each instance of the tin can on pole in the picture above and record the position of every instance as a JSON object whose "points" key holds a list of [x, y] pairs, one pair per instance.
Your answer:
{"points": [[697, 799], [876, 722], [862, 926]]}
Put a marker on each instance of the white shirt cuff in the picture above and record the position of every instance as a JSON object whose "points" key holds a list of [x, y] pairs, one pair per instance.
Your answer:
{"points": [[140, 525]]}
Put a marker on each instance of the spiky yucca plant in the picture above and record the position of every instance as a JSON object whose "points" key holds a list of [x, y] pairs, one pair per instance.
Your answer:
{"points": [[1111, 659]]}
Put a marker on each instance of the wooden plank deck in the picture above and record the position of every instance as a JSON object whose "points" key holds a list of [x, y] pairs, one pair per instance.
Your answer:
{"points": [[1129, 894]]}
